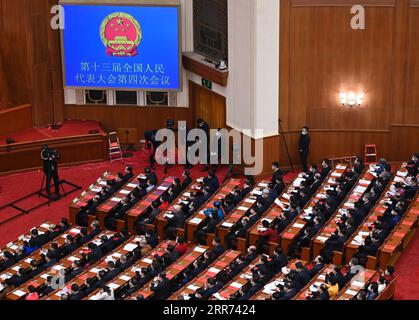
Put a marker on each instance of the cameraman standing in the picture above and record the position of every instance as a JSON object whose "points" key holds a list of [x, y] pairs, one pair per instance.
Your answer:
{"points": [[50, 158]]}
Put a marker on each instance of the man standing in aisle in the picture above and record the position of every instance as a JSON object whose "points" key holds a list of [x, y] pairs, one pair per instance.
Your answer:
{"points": [[304, 147]]}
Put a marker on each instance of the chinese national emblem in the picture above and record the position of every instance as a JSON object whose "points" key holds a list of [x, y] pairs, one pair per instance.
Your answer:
{"points": [[121, 34]]}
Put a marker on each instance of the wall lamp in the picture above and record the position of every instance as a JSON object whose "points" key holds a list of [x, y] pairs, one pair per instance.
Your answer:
{"points": [[351, 98]]}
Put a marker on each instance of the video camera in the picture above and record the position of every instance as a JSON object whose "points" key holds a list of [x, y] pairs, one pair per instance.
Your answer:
{"points": [[49, 154]]}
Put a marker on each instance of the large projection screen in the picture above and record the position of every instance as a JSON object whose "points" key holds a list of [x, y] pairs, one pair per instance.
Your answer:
{"points": [[121, 46]]}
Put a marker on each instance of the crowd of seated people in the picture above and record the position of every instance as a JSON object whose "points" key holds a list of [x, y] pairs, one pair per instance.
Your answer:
{"points": [[181, 212], [399, 197], [325, 208], [264, 268], [35, 242], [113, 268], [349, 221], [53, 254], [147, 182], [104, 194], [377, 285]]}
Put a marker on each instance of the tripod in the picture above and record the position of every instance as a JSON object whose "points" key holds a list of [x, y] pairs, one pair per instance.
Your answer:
{"points": [[281, 132], [48, 196]]}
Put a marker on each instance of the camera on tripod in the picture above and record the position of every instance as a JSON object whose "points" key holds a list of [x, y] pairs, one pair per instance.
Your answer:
{"points": [[49, 154]]}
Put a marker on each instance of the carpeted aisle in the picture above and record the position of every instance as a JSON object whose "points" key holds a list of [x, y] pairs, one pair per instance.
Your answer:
{"points": [[407, 270]]}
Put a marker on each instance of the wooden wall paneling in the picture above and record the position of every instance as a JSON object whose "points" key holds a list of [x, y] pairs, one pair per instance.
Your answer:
{"points": [[328, 56], [14, 47], [142, 118], [400, 63], [15, 119], [73, 150], [4, 88], [411, 106], [207, 105], [285, 56]]}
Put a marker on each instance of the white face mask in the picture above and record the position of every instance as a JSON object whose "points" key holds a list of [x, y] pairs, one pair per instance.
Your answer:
{"points": [[304, 133]]}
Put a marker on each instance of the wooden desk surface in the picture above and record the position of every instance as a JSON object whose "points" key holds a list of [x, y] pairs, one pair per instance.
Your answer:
{"points": [[88, 194], [349, 203], [266, 292], [122, 279], [291, 233], [215, 268], [174, 270], [145, 204], [63, 264], [125, 191], [12, 247]]}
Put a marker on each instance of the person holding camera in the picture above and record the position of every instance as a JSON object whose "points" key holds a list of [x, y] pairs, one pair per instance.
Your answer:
{"points": [[50, 168]]}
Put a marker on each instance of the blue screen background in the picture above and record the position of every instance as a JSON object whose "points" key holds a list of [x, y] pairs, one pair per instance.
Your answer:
{"points": [[87, 65]]}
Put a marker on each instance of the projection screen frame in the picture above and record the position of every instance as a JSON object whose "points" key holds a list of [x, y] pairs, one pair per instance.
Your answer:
{"points": [[136, 3]]}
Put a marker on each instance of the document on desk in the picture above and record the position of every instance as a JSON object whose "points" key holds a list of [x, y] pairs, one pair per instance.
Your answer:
{"points": [[199, 249], [19, 293], [125, 278], [227, 224], [236, 285], [130, 247], [196, 220]]}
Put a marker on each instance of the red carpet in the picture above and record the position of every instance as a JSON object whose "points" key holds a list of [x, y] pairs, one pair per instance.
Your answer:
{"points": [[407, 270], [68, 129]]}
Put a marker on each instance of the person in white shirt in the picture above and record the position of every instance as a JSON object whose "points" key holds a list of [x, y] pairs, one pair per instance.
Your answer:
{"points": [[104, 293]]}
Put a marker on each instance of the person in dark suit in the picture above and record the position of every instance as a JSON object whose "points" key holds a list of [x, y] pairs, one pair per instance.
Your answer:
{"points": [[212, 182], [205, 127], [187, 180], [177, 220], [209, 227], [319, 264], [289, 292], [76, 293], [303, 274], [218, 248], [276, 173], [50, 158], [151, 177], [161, 287], [8, 261], [278, 260], [304, 147], [326, 168], [238, 231]]}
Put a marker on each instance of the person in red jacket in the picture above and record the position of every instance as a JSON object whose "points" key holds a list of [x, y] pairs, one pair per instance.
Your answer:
{"points": [[181, 247], [268, 233], [33, 295]]}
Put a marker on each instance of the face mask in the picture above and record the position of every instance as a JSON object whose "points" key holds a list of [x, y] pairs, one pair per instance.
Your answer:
{"points": [[304, 133]]}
